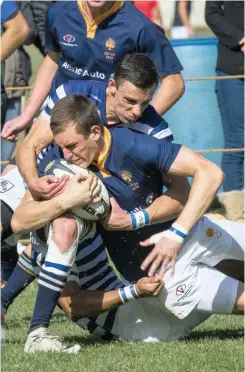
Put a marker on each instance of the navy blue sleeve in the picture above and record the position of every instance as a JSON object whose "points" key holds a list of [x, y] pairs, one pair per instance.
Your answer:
{"points": [[154, 154], [50, 33], [8, 8], [154, 43]]}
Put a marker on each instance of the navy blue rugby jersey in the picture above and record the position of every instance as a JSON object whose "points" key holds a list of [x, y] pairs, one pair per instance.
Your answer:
{"points": [[91, 50], [130, 168], [149, 123]]}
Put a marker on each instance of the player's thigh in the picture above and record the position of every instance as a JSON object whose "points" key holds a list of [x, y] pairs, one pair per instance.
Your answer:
{"points": [[215, 241], [221, 292]]}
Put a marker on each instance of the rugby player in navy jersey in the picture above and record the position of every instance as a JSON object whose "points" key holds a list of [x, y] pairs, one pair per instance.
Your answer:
{"points": [[194, 244], [126, 97], [86, 40]]}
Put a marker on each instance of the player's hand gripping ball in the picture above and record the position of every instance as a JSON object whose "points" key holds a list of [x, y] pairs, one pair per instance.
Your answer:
{"points": [[92, 212]]}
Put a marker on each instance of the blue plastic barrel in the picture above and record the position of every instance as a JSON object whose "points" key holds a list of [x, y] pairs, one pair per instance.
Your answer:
{"points": [[195, 119]]}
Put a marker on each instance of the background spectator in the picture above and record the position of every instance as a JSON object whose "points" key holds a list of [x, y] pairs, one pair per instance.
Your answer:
{"points": [[182, 28], [18, 65], [15, 32], [226, 19], [151, 9]]}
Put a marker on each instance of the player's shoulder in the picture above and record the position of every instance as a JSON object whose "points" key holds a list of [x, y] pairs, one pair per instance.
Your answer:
{"points": [[127, 139], [83, 85]]}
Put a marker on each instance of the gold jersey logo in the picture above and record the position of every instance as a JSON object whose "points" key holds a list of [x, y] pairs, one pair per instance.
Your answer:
{"points": [[110, 44], [126, 176]]}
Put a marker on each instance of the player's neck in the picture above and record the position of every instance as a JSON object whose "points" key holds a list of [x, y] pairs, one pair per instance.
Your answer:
{"points": [[111, 116], [94, 12]]}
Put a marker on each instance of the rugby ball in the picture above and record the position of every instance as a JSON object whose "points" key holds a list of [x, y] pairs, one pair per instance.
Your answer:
{"points": [[93, 211]]}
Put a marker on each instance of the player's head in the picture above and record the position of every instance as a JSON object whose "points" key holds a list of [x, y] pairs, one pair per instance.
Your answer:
{"points": [[133, 85], [77, 129]]}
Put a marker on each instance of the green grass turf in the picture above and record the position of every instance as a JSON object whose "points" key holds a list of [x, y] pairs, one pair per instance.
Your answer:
{"points": [[216, 345]]}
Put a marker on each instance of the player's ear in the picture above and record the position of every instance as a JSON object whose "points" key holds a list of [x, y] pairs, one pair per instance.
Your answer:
{"points": [[96, 132], [112, 86]]}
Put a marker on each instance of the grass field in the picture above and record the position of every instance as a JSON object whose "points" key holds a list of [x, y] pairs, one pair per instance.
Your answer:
{"points": [[215, 346]]}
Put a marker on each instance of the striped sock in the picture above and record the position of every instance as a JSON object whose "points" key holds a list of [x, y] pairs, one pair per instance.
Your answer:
{"points": [[51, 281], [21, 277]]}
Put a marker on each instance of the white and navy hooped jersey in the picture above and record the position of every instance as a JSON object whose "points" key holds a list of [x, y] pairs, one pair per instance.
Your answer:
{"points": [[149, 123]]}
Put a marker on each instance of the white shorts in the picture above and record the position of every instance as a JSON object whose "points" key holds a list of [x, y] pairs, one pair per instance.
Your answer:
{"points": [[208, 243], [12, 188]]}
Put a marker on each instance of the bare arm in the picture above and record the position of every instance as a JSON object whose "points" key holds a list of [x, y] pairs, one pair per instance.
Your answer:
{"points": [[38, 137], [16, 31], [31, 214], [80, 304], [40, 91], [169, 205], [170, 91], [207, 178], [165, 208]]}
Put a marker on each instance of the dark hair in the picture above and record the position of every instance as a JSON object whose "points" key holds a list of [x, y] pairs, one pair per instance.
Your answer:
{"points": [[76, 110], [138, 69]]}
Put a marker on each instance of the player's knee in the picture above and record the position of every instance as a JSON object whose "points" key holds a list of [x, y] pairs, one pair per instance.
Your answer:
{"points": [[64, 233], [239, 304]]}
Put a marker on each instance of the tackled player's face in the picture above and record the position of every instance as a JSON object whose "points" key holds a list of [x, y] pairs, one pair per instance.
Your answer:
{"points": [[130, 101], [77, 149]]}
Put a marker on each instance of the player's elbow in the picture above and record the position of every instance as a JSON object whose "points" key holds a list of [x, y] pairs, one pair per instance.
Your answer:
{"points": [[179, 85], [213, 176], [18, 223]]}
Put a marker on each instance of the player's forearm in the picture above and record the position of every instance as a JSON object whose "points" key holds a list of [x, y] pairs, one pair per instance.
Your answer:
{"points": [[169, 205], [206, 183], [81, 304], [32, 215], [42, 85], [38, 137], [171, 89], [26, 162]]}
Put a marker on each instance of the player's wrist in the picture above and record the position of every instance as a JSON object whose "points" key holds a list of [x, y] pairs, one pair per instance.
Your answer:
{"points": [[139, 219], [128, 293], [177, 232]]}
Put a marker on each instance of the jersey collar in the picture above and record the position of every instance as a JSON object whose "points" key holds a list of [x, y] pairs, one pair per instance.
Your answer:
{"points": [[92, 25], [100, 163]]}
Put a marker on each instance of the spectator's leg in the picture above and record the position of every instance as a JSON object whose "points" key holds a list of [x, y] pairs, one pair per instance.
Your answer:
{"points": [[230, 95]]}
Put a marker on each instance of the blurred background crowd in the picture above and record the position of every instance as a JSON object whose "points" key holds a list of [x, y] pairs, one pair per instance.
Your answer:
{"points": [[208, 38]]}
